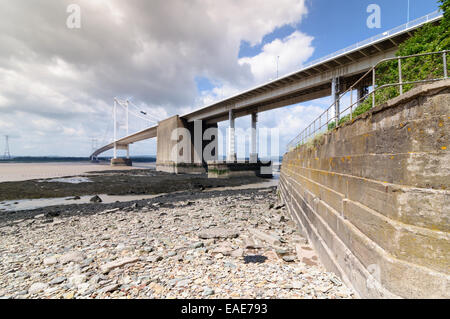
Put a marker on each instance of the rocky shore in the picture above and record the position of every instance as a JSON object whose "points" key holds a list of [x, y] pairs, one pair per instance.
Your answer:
{"points": [[218, 244]]}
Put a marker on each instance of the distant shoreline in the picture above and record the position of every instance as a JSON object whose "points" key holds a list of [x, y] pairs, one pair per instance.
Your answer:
{"points": [[55, 159], [23, 171]]}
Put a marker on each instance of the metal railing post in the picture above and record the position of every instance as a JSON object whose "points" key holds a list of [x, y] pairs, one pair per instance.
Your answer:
{"points": [[400, 75], [444, 57], [351, 104], [373, 88]]}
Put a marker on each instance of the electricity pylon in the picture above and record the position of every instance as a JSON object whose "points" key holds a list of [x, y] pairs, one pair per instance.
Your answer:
{"points": [[7, 154]]}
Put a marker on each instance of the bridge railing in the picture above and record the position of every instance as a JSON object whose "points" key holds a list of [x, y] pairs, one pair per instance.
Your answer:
{"points": [[410, 25], [335, 115]]}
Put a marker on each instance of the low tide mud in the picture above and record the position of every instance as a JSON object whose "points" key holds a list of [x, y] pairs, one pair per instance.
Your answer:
{"points": [[135, 182]]}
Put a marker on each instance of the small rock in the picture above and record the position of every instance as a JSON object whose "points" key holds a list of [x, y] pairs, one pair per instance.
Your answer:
{"points": [[198, 245], [48, 261], [237, 253], [154, 259], [77, 279], [218, 233], [96, 199], [289, 258], [183, 283], [297, 285], [83, 288], [115, 264], [74, 256], [69, 295], [37, 287], [57, 281], [207, 292], [109, 288]]}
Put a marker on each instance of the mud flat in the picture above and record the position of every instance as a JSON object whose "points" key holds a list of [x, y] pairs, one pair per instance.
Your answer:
{"points": [[114, 182], [10, 172]]}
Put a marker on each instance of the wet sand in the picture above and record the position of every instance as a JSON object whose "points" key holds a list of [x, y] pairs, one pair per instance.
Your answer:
{"points": [[13, 172]]}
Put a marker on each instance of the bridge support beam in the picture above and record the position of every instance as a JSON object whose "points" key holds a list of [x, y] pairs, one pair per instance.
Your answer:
{"points": [[231, 156], [184, 147], [254, 146]]}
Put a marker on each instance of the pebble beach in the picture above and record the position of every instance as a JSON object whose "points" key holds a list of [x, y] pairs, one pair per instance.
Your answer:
{"points": [[220, 244]]}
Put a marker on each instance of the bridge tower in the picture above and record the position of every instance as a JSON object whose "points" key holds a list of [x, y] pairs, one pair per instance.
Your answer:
{"points": [[94, 145], [116, 161]]}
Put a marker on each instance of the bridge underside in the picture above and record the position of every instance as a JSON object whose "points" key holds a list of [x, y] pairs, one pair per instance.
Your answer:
{"points": [[184, 147]]}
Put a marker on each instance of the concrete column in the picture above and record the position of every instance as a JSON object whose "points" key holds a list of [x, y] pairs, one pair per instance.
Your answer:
{"points": [[128, 151], [362, 91], [335, 95], [198, 141], [115, 150], [254, 152], [231, 139]]}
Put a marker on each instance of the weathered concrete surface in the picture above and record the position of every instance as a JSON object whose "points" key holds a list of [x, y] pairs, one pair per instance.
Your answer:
{"points": [[121, 162], [177, 151], [373, 196], [221, 169]]}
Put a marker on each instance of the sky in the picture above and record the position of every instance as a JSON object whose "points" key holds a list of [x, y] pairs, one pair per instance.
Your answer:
{"points": [[57, 84]]}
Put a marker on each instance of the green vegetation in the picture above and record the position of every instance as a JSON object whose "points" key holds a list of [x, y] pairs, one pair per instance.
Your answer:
{"points": [[218, 171], [429, 38]]}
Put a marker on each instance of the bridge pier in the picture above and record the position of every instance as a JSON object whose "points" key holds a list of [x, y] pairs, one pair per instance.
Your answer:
{"points": [[335, 92], [185, 147], [362, 91], [119, 161]]}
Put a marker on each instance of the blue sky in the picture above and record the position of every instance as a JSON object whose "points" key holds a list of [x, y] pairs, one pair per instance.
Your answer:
{"points": [[336, 24]]}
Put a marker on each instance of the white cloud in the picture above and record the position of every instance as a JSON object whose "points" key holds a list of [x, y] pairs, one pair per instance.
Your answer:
{"points": [[292, 51], [59, 83]]}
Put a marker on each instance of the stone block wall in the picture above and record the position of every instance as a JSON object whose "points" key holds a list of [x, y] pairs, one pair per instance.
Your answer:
{"points": [[373, 196]]}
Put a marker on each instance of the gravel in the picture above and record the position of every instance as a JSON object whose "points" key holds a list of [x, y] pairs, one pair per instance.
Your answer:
{"points": [[200, 246]]}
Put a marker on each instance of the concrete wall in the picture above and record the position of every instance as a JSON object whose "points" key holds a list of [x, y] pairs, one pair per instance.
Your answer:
{"points": [[177, 151], [373, 196]]}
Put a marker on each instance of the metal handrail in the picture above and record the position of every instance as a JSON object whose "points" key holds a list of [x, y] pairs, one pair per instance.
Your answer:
{"points": [[312, 130]]}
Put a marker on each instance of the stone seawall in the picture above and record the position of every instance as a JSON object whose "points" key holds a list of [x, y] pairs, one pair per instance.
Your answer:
{"points": [[373, 196]]}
